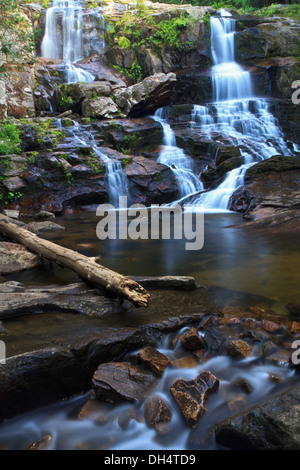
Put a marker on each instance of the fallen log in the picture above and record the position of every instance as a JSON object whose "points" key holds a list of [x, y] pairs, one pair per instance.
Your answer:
{"points": [[87, 268]]}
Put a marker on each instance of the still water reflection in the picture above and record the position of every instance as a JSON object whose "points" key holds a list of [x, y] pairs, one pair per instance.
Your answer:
{"points": [[247, 261]]}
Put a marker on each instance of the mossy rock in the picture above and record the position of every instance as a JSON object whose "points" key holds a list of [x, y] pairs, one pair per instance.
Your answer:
{"points": [[276, 164]]}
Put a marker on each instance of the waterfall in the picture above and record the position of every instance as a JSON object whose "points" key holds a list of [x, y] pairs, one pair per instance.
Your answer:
{"points": [[63, 38], [116, 178], [175, 158], [243, 119]]}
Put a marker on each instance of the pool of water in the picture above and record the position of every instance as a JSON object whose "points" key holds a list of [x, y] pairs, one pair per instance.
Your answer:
{"points": [[253, 262]]}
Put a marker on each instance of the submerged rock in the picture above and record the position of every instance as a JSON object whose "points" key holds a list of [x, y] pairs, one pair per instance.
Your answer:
{"points": [[157, 413]]}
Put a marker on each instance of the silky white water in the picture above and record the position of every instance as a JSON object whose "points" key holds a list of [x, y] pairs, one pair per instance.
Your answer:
{"points": [[115, 176], [175, 158], [243, 119], [63, 38], [105, 428]]}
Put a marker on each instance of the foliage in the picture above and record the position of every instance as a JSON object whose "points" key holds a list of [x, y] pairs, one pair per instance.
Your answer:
{"points": [[249, 6], [9, 138], [16, 36], [124, 42]]}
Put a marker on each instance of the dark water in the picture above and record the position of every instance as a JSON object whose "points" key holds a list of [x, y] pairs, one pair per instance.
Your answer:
{"points": [[252, 262]]}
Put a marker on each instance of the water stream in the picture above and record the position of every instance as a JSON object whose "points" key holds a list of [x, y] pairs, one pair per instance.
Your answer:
{"points": [[243, 119], [175, 158], [63, 38]]}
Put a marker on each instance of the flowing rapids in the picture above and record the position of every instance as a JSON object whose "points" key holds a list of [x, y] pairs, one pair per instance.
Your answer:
{"points": [[106, 428]]}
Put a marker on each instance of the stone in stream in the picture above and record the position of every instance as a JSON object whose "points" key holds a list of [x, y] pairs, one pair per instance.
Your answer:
{"points": [[191, 395], [239, 348], [117, 381], [155, 361], [15, 258], [273, 425], [42, 444], [46, 226], [126, 416], [157, 414], [192, 340]]}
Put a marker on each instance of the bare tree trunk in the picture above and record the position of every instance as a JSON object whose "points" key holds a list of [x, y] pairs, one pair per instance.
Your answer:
{"points": [[87, 268]]}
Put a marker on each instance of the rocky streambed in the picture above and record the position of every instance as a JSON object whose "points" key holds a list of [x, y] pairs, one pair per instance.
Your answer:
{"points": [[205, 372]]}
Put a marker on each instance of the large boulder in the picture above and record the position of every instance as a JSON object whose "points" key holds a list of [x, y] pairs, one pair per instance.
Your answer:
{"points": [[145, 97], [273, 425], [274, 38]]}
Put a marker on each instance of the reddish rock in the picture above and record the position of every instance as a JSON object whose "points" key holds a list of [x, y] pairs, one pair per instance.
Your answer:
{"points": [[191, 395], [154, 360], [117, 381], [239, 348], [185, 362], [192, 340]]}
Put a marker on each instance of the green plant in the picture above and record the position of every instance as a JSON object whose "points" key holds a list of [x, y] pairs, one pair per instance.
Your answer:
{"points": [[9, 138], [66, 101], [124, 42]]}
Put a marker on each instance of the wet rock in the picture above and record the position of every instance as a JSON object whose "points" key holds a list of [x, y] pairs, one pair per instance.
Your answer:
{"points": [[40, 228], [185, 362], [192, 340], [239, 348], [155, 361], [15, 258], [214, 340], [44, 215], [93, 409], [243, 384], [273, 425], [270, 39], [126, 416], [237, 403], [157, 413], [268, 348], [42, 444], [191, 395], [117, 381], [240, 200]]}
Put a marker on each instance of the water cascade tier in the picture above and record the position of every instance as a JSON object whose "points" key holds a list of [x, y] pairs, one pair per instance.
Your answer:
{"points": [[175, 158], [63, 38], [235, 115]]}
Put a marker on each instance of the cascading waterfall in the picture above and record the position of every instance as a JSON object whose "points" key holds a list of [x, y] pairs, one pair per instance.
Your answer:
{"points": [[174, 157], [243, 119], [116, 178], [63, 38]]}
